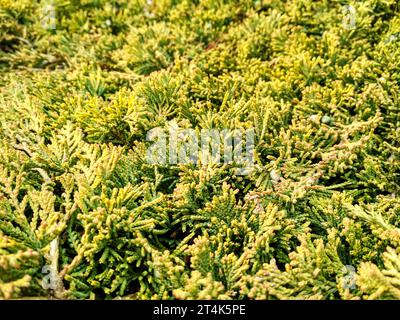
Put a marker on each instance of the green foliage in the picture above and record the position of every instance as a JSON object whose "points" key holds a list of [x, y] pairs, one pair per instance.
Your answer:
{"points": [[317, 218]]}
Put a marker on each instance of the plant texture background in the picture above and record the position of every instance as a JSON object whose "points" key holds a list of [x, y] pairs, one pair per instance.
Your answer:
{"points": [[318, 217]]}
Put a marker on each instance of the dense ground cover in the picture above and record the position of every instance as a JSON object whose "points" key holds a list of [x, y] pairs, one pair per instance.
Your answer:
{"points": [[84, 215]]}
